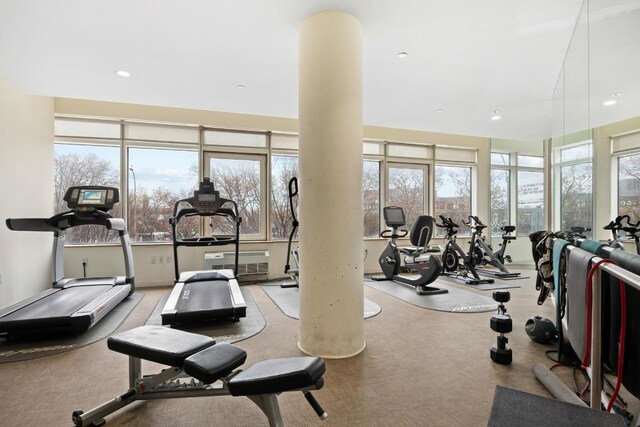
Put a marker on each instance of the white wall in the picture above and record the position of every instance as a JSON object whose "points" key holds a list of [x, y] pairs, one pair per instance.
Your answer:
{"points": [[26, 190]]}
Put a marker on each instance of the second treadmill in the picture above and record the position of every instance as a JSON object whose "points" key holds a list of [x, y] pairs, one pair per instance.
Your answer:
{"points": [[208, 294]]}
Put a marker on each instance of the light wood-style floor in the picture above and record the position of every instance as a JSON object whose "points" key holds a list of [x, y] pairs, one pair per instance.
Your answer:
{"points": [[420, 368]]}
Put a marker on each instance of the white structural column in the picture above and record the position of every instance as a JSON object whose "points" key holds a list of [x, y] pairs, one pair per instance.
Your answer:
{"points": [[331, 224]]}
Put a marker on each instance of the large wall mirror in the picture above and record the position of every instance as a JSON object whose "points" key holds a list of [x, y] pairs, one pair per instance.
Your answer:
{"points": [[597, 86]]}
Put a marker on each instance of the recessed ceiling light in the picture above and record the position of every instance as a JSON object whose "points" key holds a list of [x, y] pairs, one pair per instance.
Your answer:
{"points": [[240, 86], [123, 73], [496, 117], [439, 110], [609, 102], [403, 55]]}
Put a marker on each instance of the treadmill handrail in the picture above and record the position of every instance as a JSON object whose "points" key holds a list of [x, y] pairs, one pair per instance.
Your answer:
{"points": [[31, 224]]}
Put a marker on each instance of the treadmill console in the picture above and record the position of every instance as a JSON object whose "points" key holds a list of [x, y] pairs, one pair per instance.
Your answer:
{"points": [[86, 197], [206, 197]]}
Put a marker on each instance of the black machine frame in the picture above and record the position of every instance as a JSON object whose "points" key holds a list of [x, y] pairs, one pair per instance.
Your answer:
{"points": [[391, 261], [90, 298], [453, 253], [205, 294], [217, 206], [483, 254]]}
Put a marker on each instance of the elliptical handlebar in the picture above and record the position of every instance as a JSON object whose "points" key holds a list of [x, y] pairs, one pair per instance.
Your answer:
{"points": [[293, 192]]}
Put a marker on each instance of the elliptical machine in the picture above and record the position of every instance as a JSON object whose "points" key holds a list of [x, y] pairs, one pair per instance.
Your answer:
{"points": [[391, 261], [481, 253], [293, 272], [452, 255]]}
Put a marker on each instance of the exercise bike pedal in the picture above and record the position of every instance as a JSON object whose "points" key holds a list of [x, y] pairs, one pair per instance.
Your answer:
{"points": [[508, 258]]}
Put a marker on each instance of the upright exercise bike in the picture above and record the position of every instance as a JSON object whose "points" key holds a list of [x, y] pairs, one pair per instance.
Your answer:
{"points": [[481, 253], [391, 261], [616, 226], [453, 254]]}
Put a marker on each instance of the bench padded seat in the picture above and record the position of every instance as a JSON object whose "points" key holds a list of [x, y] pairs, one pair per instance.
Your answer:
{"points": [[159, 344], [215, 362], [278, 375]]}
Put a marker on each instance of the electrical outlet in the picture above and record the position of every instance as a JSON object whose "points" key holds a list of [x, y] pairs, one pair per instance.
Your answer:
{"points": [[85, 260], [169, 260], [160, 260], [153, 260]]}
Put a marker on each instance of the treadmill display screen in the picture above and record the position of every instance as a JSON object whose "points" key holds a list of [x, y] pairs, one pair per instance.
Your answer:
{"points": [[92, 197], [207, 198]]}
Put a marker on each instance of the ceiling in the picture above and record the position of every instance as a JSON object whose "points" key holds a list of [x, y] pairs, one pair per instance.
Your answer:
{"points": [[466, 57]]}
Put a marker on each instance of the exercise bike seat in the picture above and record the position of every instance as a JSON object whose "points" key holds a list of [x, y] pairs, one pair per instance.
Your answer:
{"points": [[507, 230], [420, 236]]}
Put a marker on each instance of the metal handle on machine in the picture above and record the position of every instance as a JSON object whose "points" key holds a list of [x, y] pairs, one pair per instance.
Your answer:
{"points": [[293, 192], [315, 405]]}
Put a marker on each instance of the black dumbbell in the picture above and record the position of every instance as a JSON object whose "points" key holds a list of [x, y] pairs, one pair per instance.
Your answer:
{"points": [[501, 323]]}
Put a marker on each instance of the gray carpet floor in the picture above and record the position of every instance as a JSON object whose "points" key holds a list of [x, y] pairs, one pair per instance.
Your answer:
{"points": [[420, 368]]}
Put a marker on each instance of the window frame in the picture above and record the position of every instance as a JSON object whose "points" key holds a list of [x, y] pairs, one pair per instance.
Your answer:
{"points": [[264, 204]]}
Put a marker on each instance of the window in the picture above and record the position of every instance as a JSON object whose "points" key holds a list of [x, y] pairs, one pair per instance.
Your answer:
{"points": [[85, 164], [500, 200], [241, 178], [283, 168], [371, 197], [406, 188], [629, 186], [157, 178], [530, 161], [453, 195], [500, 159], [530, 202], [573, 186]]}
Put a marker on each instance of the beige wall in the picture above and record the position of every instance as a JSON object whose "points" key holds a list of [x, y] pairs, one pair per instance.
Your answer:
{"points": [[26, 174]]}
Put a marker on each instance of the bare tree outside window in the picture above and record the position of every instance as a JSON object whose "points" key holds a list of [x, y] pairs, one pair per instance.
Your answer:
{"points": [[240, 181], [453, 196], [576, 196], [629, 186], [371, 198], [499, 200], [283, 168], [406, 190], [86, 165]]}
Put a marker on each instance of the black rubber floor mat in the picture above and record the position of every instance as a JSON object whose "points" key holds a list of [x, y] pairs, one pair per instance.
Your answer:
{"points": [[15, 350], [517, 408]]}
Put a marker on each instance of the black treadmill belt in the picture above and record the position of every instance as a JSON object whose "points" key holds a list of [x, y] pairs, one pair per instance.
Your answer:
{"points": [[63, 303], [205, 296]]}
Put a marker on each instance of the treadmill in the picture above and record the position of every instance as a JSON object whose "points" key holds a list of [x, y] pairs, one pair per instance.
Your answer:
{"points": [[199, 296], [72, 305]]}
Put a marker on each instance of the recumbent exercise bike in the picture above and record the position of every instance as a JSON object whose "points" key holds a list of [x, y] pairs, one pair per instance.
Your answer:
{"points": [[416, 257]]}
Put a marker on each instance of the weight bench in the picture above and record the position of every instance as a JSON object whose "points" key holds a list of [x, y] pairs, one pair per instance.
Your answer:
{"points": [[200, 367]]}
